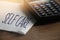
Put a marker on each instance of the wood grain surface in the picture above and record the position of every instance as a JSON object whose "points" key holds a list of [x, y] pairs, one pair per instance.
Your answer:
{"points": [[41, 32]]}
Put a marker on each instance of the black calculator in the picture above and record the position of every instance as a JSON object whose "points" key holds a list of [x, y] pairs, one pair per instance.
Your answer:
{"points": [[45, 12]]}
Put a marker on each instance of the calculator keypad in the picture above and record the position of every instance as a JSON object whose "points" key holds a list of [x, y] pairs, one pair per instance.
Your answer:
{"points": [[56, 5], [48, 9]]}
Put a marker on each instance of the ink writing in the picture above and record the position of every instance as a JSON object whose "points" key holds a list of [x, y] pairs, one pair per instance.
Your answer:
{"points": [[18, 20]]}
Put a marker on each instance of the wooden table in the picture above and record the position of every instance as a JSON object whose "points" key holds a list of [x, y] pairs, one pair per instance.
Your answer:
{"points": [[41, 32]]}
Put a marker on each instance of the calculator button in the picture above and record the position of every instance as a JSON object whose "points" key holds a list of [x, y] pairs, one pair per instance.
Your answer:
{"points": [[51, 1], [53, 9], [43, 14], [55, 5], [35, 6], [56, 11], [58, 8]]}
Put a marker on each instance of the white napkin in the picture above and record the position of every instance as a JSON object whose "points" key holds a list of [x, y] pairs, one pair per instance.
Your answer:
{"points": [[13, 19]]}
